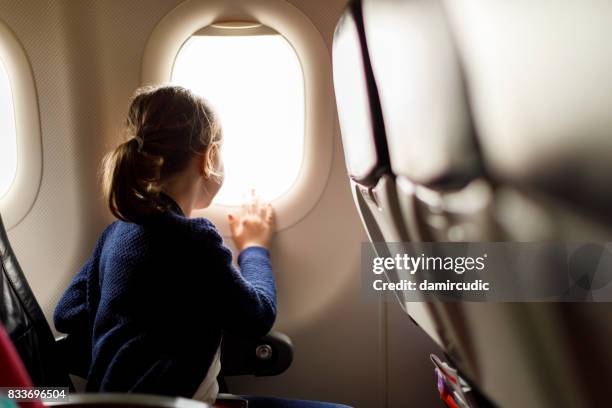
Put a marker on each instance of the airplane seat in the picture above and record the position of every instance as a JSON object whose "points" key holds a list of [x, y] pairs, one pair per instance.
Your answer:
{"points": [[539, 82], [433, 149], [491, 141], [442, 187], [362, 128], [373, 185], [26, 324], [431, 165]]}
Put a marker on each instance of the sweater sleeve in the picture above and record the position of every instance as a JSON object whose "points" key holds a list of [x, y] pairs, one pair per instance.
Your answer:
{"points": [[71, 314], [248, 296], [257, 291]]}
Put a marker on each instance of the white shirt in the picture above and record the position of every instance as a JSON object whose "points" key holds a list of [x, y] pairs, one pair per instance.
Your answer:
{"points": [[209, 388]]}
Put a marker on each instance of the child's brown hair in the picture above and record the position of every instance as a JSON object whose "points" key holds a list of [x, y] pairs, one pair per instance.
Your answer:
{"points": [[167, 127]]}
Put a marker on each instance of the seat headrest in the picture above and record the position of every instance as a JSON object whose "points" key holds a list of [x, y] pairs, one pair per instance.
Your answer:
{"points": [[540, 76], [361, 125], [422, 91]]}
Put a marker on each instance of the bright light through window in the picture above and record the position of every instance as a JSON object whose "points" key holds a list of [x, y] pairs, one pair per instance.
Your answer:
{"points": [[256, 85], [8, 137]]}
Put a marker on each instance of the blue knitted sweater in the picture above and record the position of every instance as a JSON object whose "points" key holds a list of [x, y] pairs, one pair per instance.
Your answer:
{"points": [[153, 300]]}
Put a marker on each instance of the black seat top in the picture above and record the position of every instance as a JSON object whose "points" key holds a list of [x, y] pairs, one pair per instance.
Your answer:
{"points": [[25, 322]]}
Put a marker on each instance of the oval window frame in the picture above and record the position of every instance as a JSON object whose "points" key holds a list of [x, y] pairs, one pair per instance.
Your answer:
{"points": [[191, 16], [19, 199]]}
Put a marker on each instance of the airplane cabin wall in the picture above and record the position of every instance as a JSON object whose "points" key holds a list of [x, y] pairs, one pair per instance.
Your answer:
{"points": [[86, 58]]}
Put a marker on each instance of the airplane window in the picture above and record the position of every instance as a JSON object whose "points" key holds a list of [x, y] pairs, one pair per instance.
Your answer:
{"points": [[256, 85], [8, 137]]}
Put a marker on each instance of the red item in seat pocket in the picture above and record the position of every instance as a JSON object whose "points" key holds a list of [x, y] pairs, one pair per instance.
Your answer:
{"points": [[12, 371]]}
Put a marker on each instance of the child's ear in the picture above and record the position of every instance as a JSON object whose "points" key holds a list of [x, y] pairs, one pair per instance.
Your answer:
{"points": [[208, 160], [202, 161]]}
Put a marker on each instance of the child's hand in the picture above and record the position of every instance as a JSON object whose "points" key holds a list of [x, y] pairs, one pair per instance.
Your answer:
{"points": [[254, 225]]}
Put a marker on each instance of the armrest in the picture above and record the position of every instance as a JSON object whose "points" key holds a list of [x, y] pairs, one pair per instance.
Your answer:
{"points": [[74, 354], [126, 401], [267, 356]]}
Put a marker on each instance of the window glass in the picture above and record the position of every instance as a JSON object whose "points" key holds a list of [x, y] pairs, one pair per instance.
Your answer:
{"points": [[256, 85], [8, 137]]}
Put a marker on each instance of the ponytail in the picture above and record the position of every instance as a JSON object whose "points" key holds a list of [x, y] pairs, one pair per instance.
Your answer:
{"points": [[131, 182]]}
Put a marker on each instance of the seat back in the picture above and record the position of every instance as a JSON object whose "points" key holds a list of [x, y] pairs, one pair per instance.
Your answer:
{"points": [[541, 97], [365, 147], [434, 152], [362, 129], [404, 51], [489, 140], [25, 322]]}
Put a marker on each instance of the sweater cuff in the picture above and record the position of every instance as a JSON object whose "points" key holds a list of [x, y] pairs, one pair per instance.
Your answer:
{"points": [[253, 251]]}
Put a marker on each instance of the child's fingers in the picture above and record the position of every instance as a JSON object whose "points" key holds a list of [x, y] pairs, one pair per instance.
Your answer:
{"points": [[269, 213], [254, 208], [244, 209], [255, 202], [263, 211], [233, 223]]}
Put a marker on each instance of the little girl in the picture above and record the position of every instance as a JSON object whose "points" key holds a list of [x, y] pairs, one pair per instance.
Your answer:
{"points": [[154, 298]]}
